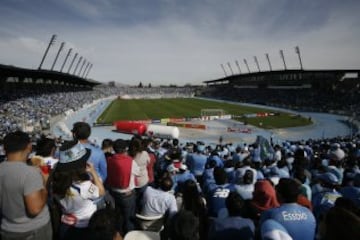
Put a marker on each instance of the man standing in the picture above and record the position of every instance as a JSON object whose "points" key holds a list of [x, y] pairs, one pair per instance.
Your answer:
{"points": [[298, 221], [23, 196], [81, 132], [121, 181]]}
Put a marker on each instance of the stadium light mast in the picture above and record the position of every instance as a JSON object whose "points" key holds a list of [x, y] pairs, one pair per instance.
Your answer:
{"points": [[72, 62], [91, 65], [82, 65], [283, 58], [238, 66], [297, 50], [257, 63], [247, 65], [57, 55], [229, 65], [52, 41], [66, 58], [268, 59], [86, 67], [77, 65], [222, 66]]}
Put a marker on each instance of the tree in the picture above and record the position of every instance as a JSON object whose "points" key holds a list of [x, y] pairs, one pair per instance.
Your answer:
{"points": [[149, 85], [140, 85]]}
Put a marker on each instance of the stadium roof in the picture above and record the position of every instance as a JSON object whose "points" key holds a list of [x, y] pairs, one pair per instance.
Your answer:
{"points": [[12, 71], [297, 74]]}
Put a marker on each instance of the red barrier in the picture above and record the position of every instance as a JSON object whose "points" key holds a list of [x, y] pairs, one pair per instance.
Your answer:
{"points": [[130, 127]]}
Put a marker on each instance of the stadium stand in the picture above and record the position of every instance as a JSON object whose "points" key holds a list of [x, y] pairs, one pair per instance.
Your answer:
{"points": [[294, 190], [335, 91]]}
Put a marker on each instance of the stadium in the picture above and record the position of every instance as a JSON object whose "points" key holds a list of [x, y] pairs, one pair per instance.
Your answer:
{"points": [[102, 141], [227, 112]]}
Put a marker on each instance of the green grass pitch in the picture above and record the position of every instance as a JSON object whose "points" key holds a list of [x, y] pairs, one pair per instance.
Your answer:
{"points": [[141, 109]]}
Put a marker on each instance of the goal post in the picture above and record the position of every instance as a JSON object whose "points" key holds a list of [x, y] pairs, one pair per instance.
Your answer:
{"points": [[212, 112]]}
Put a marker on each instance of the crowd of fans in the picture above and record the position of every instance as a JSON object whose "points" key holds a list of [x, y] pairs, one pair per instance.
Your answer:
{"points": [[31, 110], [306, 99], [165, 189]]}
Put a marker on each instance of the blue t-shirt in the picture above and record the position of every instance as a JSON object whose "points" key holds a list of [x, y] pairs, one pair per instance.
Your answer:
{"points": [[217, 196], [97, 158], [297, 220], [323, 201], [196, 163], [232, 228], [217, 159], [352, 193], [180, 178]]}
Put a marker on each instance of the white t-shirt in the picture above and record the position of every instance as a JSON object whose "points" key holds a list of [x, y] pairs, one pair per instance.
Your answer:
{"points": [[142, 159], [78, 205], [157, 202]]}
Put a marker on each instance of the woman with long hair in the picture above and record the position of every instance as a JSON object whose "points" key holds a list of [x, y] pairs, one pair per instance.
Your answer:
{"points": [[193, 201], [142, 158], [75, 184]]}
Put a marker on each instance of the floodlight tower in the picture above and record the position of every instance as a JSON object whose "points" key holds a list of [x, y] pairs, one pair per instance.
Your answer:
{"points": [[82, 65], [257, 63], [297, 50], [77, 65], [247, 65], [66, 58], [57, 55], [232, 73], [86, 67], [238, 66], [268, 59], [91, 65], [72, 62], [52, 41], [283, 58], [222, 66]]}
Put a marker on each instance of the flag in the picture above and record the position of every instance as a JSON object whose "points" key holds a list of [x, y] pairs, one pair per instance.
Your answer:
{"points": [[266, 150]]}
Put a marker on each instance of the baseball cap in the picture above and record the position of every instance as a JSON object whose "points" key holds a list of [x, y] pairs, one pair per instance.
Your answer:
{"points": [[328, 177]]}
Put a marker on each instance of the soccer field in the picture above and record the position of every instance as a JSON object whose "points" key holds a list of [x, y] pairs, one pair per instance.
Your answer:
{"points": [[142, 109]]}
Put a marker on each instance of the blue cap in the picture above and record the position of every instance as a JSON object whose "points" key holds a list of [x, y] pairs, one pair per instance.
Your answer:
{"points": [[328, 177]]}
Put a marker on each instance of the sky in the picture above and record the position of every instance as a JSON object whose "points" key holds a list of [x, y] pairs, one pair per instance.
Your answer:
{"points": [[180, 41]]}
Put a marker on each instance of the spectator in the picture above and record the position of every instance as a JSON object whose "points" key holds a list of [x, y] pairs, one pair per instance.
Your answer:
{"points": [[340, 224], [218, 192], [158, 201], [147, 145], [122, 171], [234, 226], [107, 147], [197, 161], [81, 132], [183, 226], [103, 226], [74, 190], [264, 198], [142, 158], [45, 148], [191, 200], [297, 220], [325, 195], [23, 195]]}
